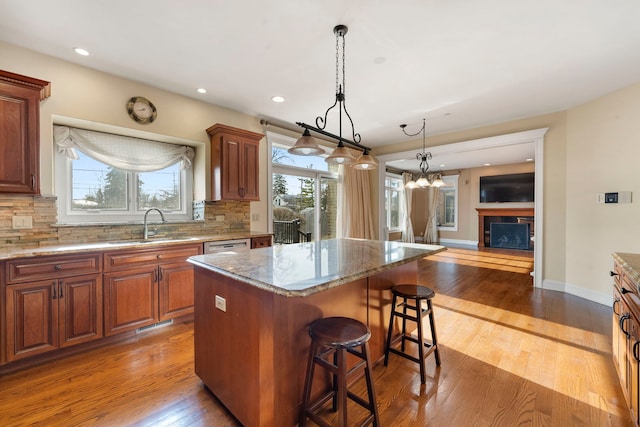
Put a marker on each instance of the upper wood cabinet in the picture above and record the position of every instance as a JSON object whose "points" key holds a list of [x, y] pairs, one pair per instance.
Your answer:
{"points": [[234, 163], [20, 98]]}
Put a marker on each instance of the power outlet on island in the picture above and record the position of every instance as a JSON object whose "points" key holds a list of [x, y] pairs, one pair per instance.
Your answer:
{"points": [[221, 303]]}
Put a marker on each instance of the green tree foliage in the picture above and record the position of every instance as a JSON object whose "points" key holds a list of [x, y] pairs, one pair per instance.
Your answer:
{"points": [[115, 189], [279, 185]]}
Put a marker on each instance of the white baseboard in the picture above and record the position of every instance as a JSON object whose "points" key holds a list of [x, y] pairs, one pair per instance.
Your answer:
{"points": [[459, 242], [597, 297]]}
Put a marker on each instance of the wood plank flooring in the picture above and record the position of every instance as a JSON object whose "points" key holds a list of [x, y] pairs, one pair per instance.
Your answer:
{"points": [[511, 355]]}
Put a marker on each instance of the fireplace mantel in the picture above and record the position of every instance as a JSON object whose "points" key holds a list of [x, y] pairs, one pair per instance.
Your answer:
{"points": [[484, 212]]}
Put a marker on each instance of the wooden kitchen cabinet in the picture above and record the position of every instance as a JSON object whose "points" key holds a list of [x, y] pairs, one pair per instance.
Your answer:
{"points": [[234, 163], [260, 242], [625, 337], [20, 98], [143, 287], [52, 302]]}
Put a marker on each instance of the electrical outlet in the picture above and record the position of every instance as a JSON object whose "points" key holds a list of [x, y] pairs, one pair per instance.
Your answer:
{"points": [[255, 217], [219, 218], [221, 303]]}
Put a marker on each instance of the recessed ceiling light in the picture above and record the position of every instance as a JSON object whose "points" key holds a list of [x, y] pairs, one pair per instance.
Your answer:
{"points": [[81, 51], [487, 164], [277, 99], [528, 160], [443, 165], [201, 90], [379, 60]]}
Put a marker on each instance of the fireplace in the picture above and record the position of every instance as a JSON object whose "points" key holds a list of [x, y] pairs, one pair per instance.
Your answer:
{"points": [[509, 235], [517, 216]]}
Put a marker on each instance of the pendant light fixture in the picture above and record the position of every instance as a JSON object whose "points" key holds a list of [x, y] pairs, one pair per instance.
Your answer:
{"points": [[307, 145], [424, 156]]}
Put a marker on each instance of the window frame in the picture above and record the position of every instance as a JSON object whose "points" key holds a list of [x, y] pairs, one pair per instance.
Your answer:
{"points": [[284, 142], [454, 180], [402, 211], [63, 191]]}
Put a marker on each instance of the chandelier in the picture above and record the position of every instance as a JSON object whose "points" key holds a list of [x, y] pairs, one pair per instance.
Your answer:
{"points": [[307, 145], [424, 158]]}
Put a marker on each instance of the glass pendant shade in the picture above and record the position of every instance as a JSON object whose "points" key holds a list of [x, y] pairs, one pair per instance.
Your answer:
{"points": [[365, 162], [306, 145], [411, 184], [423, 182], [438, 182], [341, 155]]}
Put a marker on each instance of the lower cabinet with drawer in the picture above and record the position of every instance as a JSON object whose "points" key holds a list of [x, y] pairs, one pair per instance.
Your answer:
{"points": [[146, 286], [626, 328], [52, 302]]}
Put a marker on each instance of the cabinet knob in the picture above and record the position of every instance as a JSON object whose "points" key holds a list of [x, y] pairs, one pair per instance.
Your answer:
{"points": [[613, 273], [625, 291], [58, 267]]}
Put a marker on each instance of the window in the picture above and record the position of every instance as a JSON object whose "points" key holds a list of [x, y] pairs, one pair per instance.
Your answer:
{"points": [[394, 202], [91, 190], [304, 194], [447, 214]]}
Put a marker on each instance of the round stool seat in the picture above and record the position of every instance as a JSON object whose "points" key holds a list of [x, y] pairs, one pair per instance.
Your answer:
{"points": [[339, 332], [413, 291]]}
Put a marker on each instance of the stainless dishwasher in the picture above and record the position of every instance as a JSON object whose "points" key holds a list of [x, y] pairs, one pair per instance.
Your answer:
{"points": [[227, 246]]}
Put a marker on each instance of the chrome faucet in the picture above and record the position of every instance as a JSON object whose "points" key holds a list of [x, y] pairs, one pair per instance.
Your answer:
{"points": [[146, 227]]}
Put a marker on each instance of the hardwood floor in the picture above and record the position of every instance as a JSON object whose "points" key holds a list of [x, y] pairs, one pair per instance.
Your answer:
{"points": [[511, 355]]}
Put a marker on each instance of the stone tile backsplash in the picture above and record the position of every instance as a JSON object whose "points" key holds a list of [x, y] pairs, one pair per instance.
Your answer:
{"points": [[211, 218]]}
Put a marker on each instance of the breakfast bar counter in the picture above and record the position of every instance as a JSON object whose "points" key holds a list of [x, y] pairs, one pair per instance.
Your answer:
{"points": [[253, 308]]}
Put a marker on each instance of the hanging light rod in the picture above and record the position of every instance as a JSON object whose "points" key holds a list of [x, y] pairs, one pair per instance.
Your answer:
{"points": [[330, 135]]}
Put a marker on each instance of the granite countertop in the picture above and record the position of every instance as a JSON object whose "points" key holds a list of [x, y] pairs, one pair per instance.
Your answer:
{"points": [[630, 263], [305, 268], [21, 252]]}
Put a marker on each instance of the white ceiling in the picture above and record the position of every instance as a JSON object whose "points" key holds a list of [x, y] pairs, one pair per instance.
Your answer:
{"points": [[460, 64]]}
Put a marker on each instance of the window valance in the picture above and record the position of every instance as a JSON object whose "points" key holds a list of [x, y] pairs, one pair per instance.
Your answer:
{"points": [[119, 151]]}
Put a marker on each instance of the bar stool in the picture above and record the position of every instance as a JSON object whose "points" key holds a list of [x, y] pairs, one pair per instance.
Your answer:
{"points": [[337, 336], [416, 294]]}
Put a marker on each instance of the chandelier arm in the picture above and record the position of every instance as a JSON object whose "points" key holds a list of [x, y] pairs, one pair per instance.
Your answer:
{"points": [[322, 123], [356, 136]]}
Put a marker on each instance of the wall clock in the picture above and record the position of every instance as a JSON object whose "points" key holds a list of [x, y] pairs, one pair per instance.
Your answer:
{"points": [[141, 110]]}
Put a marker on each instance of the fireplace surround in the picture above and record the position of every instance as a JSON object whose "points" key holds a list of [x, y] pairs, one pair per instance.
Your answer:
{"points": [[486, 216]]}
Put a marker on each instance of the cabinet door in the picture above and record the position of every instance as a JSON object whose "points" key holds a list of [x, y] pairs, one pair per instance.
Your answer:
{"points": [[175, 290], [260, 242], [19, 139], [32, 313], [80, 309], [633, 371], [250, 184], [130, 299], [231, 168], [615, 330]]}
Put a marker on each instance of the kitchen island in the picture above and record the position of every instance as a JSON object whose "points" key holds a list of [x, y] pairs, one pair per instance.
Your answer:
{"points": [[253, 308]]}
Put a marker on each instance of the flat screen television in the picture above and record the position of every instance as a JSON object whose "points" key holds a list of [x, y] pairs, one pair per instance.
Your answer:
{"points": [[517, 187]]}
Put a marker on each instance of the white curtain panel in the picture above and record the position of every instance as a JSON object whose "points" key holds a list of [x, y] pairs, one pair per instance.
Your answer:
{"points": [[122, 152], [431, 229], [407, 231]]}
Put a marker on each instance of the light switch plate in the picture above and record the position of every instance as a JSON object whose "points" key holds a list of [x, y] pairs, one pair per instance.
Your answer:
{"points": [[21, 222]]}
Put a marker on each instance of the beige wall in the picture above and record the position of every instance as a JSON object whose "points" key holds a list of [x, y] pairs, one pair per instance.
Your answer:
{"points": [[82, 93], [603, 149]]}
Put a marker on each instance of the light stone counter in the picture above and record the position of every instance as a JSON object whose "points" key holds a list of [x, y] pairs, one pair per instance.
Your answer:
{"points": [[303, 269], [21, 252]]}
